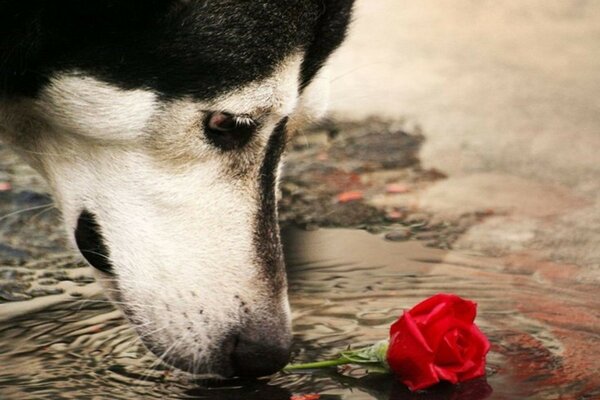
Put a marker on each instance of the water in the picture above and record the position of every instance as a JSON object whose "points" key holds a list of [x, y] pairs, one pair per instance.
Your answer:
{"points": [[346, 286]]}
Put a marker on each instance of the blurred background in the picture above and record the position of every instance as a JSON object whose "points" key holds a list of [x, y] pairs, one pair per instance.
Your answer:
{"points": [[506, 94]]}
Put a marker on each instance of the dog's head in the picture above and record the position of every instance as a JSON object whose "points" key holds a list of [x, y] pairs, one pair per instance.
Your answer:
{"points": [[159, 126]]}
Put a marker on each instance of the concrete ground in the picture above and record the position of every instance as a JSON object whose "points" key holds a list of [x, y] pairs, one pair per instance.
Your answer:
{"points": [[506, 95]]}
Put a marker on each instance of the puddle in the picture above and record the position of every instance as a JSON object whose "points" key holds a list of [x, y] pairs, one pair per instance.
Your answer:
{"points": [[346, 286]]}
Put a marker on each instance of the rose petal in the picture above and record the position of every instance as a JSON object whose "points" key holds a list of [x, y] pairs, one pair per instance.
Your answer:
{"points": [[435, 322], [464, 365], [446, 374], [448, 353], [476, 370], [409, 355], [441, 313], [464, 310], [420, 378], [438, 311], [406, 326], [479, 346], [435, 331]]}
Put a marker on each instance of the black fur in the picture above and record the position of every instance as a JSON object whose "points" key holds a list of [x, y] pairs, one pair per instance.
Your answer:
{"points": [[330, 32], [90, 242], [177, 48], [266, 231]]}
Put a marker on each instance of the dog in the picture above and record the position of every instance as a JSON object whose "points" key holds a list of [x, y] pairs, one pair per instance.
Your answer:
{"points": [[159, 126]]}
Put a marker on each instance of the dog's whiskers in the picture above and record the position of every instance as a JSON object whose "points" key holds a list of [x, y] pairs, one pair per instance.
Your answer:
{"points": [[24, 210], [161, 359], [353, 70], [95, 253], [50, 207], [129, 305]]}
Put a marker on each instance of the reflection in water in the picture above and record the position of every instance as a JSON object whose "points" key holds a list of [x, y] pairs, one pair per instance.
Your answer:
{"points": [[249, 389], [345, 287], [382, 387]]}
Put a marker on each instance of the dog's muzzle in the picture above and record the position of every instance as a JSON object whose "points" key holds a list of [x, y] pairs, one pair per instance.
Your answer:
{"points": [[257, 345]]}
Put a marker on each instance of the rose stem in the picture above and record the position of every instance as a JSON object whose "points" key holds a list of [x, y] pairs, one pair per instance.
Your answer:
{"points": [[318, 364]]}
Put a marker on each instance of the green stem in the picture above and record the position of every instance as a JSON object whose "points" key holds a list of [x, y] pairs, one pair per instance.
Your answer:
{"points": [[318, 364], [374, 356]]}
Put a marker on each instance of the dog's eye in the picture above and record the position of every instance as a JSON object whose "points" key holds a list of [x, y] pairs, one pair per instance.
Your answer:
{"points": [[228, 131], [221, 122]]}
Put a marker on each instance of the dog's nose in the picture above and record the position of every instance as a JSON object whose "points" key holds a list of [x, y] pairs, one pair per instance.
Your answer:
{"points": [[255, 359]]}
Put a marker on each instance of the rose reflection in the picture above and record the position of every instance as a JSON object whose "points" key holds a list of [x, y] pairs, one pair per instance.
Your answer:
{"points": [[384, 386], [379, 386], [477, 389]]}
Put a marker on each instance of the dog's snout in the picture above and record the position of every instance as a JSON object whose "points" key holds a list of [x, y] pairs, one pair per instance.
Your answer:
{"points": [[252, 358], [90, 242]]}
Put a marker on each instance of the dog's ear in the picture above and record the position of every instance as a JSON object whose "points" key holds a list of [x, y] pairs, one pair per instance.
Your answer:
{"points": [[331, 30]]}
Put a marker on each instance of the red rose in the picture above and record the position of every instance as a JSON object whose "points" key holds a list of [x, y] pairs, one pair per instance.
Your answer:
{"points": [[437, 340]]}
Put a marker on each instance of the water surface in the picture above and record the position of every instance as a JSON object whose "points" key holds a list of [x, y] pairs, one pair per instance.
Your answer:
{"points": [[346, 286]]}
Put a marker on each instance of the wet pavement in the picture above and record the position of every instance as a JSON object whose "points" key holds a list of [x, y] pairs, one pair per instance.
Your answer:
{"points": [[506, 93], [479, 177]]}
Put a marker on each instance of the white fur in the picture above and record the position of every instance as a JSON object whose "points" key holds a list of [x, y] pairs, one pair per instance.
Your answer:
{"points": [[313, 103], [178, 227], [170, 235], [315, 98], [83, 105]]}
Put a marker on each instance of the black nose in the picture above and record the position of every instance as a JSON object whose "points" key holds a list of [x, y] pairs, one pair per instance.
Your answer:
{"points": [[91, 243], [255, 359]]}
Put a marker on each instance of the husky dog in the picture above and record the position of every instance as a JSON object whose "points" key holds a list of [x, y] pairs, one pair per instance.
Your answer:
{"points": [[159, 126]]}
